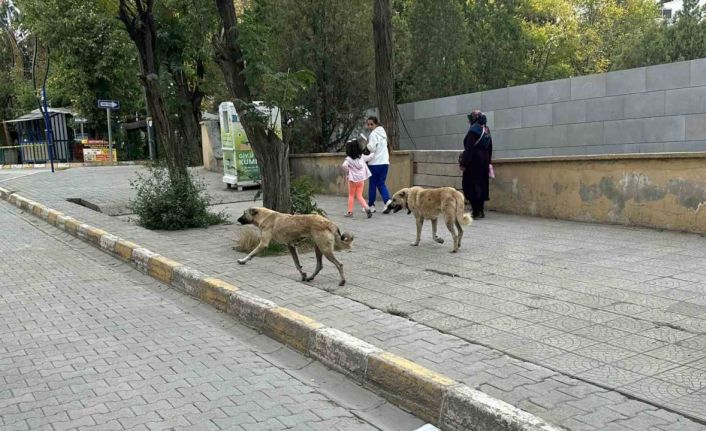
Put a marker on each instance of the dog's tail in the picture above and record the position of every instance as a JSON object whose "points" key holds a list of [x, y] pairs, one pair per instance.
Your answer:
{"points": [[462, 217], [342, 240]]}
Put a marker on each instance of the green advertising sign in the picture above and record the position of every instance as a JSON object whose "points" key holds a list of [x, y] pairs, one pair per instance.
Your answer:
{"points": [[246, 163]]}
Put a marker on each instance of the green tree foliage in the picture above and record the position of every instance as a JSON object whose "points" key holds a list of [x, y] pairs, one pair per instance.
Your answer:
{"points": [[184, 40], [439, 36], [330, 39], [610, 30], [682, 38], [7, 88], [91, 55], [449, 47]]}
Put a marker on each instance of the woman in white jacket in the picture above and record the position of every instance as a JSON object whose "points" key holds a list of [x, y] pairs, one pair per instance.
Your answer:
{"points": [[378, 164]]}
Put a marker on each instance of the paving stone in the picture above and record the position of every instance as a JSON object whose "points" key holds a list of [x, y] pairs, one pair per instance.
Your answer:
{"points": [[558, 267], [150, 327]]}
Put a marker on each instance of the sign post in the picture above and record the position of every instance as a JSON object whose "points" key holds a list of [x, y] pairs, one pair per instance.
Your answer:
{"points": [[48, 130], [109, 105]]}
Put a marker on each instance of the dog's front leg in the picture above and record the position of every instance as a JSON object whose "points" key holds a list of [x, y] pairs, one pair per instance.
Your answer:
{"points": [[295, 257], [420, 222], [433, 232], [264, 242]]}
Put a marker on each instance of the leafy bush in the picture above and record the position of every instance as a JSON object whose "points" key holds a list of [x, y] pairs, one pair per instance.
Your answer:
{"points": [[303, 190], [162, 202]]}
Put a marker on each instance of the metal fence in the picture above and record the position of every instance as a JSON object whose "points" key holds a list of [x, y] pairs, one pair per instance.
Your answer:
{"points": [[36, 152]]}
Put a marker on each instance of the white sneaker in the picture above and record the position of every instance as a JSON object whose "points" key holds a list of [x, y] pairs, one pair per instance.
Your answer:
{"points": [[372, 208], [387, 205]]}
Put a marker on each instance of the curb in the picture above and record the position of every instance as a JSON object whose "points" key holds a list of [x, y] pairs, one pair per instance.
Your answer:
{"points": [[438, 399]]}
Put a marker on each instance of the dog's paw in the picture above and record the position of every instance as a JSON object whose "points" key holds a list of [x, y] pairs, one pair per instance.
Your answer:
{"points": [[342, 283], [242, 261], [439, 240], [304, 277], [454, 251], [414, 244]]}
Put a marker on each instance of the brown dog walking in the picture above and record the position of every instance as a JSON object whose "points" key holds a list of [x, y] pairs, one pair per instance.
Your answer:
{"points": [[430, 204], [291, 230]]}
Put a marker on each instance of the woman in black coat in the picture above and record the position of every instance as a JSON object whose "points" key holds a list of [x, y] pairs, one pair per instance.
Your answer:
{"points": [[475, 163]]}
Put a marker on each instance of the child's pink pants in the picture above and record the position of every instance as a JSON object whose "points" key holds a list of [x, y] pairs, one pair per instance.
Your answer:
{"points": [[355, 190]]}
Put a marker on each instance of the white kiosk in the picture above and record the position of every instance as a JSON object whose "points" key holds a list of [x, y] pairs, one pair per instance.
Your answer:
{"points": [[239, 163]]}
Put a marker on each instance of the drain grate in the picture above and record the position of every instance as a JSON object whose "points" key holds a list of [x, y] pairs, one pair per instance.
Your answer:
{"points": [[85, 203]]}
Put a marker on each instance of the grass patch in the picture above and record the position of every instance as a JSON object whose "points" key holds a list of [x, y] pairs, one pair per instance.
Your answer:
{"points": [[248, 238]]}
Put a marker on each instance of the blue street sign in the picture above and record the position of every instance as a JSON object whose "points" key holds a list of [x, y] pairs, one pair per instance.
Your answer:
{"points": [[109, 104]]}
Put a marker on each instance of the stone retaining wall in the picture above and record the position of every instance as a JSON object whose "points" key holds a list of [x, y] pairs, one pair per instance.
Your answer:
{"points": [[325, 170], [666, 191]]}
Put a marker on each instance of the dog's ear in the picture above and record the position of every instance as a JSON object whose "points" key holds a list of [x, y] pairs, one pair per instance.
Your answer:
{"points": [[253, 211], [403, 193]]}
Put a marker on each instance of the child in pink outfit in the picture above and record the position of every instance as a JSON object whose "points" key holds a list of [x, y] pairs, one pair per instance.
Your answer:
{"points": [[357, 172]]}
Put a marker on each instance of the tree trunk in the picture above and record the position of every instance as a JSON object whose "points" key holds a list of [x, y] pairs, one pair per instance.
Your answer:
{"points": [[189, 104], [271, 152], [139, 22], [384, 73]]}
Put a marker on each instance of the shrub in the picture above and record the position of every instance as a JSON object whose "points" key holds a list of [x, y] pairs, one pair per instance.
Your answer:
{"points": [[303, 190], [162, 202]]}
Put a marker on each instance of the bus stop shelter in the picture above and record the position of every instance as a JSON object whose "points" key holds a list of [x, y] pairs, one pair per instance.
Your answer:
{"points": [[29, 136]]}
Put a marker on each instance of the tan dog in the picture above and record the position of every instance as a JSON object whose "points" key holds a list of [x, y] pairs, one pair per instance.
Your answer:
{"points": [[430, 204], [292, 229]]}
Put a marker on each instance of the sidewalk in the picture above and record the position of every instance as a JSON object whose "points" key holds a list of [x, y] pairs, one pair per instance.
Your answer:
{"points": [[565, 320], [91, 343]]}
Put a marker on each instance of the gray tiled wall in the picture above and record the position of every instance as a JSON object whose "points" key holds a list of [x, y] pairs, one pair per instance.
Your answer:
{"points": [[646, 110]]}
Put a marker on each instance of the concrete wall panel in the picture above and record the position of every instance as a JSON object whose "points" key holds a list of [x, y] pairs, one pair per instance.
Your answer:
{"points": [[606, 108], [695, 127], [508, 118], [538, 115], [585, 134], [664, 129], [554, 91], [698, 72], [624, 131], [569, 112], [467, 103], [686, 101], [625, 82], [495, 99], [524, 95], [588, 87], [669, 76], [644, 105]]}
